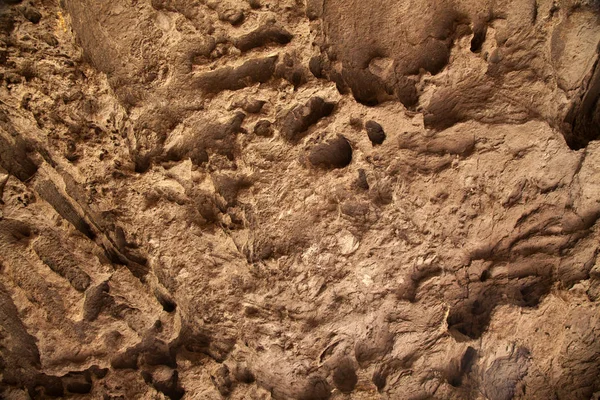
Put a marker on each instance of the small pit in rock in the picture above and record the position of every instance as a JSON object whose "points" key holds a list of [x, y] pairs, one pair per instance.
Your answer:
{"points": [[336, 153]]}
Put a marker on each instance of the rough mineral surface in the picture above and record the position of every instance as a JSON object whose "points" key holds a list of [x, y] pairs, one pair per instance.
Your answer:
{"points": [[289, 199]]}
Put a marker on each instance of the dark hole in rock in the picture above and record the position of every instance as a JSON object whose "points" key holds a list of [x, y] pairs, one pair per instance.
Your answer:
{"points": [[142, 163], [147, 377], [31, 14], [7, 23], [366, 87], [263, 128], [344, 377], [583, 120], [375, 132], [478, 38], [199, 157], [158, 353], [485, 275], [315, 65], [533, 293], [165, 301], [46, 385], [336, 153], [263, 36], [253, 106], [477, 308], [467, 360], [78, 383], [242, 374], [455, 381], [468, 324], [458, 372], [379, 379], [194, 342]]}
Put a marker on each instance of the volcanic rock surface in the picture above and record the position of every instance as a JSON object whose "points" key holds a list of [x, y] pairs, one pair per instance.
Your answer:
{"points": [[288, 199]]}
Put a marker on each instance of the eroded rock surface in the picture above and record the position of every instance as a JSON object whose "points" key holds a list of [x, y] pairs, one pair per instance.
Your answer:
{"points": [[291, 199]]}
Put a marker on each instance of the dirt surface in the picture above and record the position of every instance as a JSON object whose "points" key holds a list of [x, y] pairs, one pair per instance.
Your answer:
{"points": [[269, 199]]}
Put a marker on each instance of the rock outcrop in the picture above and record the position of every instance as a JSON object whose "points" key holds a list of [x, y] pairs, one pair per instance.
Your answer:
{"points": [[294, 199]]}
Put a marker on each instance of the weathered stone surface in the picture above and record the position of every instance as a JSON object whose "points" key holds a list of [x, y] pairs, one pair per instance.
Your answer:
{"points": [[267, 199]]}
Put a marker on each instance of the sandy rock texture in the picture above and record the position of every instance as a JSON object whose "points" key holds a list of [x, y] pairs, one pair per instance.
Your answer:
{"points": [[289, 199]]}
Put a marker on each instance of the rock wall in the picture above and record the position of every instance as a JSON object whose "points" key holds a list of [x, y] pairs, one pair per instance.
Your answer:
{"points": [[279, 199]]}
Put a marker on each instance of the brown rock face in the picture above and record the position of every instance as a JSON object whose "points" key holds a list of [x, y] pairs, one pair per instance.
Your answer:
{"points": [[283, 199], [381, 51]]}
